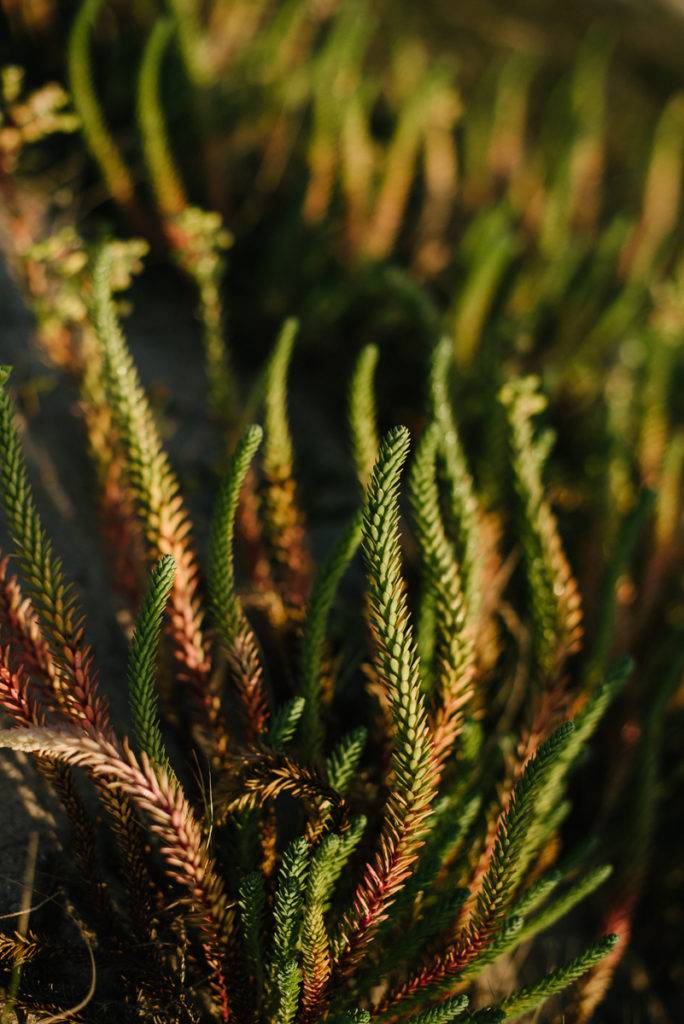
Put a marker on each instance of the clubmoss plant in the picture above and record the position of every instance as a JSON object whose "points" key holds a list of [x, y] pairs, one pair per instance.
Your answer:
{"points": [[391, 184], [367, 870]]}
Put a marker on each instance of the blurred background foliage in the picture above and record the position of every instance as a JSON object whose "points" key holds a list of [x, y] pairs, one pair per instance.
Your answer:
{"points": [[508, 174]]}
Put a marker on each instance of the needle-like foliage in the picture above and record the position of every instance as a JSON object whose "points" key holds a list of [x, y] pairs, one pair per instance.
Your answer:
{"points": [[413, 761], [343, 761], [235, 634], [52, 595], [461, 502], [171, 819], [159, 503], [99, 139], [314, 634], [169, 191], [333, 810], [555, 600], [325, 864], [362, 413], [454, 634], [142, 662], [510, 857], [284, 527], [527, 999]]}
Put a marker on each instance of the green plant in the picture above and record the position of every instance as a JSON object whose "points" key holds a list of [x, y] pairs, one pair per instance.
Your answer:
{"points": [[267, 923], [390, 181]]}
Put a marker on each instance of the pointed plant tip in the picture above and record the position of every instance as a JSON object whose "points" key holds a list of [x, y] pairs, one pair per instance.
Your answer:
{"points": [[396, 436], [5, 372], [611, 940], [519, 387], [443, 347], [254, 433], [432, 432], [289, 330], [165, 568]]}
